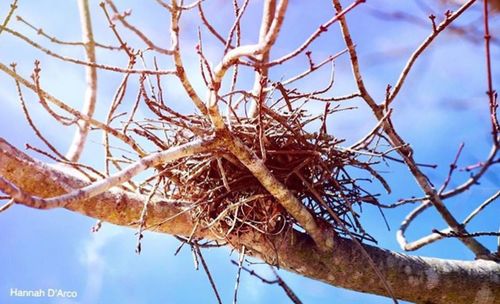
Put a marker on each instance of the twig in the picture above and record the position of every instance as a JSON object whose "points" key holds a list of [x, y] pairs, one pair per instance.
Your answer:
{"points": [[72, 111], [416, 54], [238, 274], [233, 56], [13, 7], [453, 167], [112, 25], [312, 69], [135, 30], [437, 234], [236, 24], [289, 292], [322, 28], [117, 99], [9, 204], [30, 121], [363, 142], [205, 267], [144, 214], [210, 28], [467, 235], [473, 180], [492, 95], [55, 40], [86, 63], [481, 207]]}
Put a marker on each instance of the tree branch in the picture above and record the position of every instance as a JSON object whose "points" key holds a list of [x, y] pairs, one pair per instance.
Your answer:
{"points": [[444, 281], [76, 148]]}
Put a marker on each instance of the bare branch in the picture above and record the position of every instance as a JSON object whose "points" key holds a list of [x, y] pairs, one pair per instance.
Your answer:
{"points": [[262, 59], [13, 7], [72, 111], [449, 18], [205, 267], [322, 28], [105, 184], [76, 148], [179, 66], [85, 63], [135, 30], [481, 207], [399, 144], [54, 39]]}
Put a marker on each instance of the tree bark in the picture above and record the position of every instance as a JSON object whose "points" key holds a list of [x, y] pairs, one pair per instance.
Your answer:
{"points": [[413, 278]]}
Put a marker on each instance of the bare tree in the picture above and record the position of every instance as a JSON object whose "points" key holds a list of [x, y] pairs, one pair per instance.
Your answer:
{"points": [[255, 166]]}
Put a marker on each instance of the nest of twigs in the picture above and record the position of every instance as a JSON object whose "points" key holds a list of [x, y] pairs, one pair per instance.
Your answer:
{"points": [[228, 199]]}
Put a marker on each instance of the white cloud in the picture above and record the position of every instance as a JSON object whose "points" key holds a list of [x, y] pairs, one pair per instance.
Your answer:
{"points": [[94, 261]]}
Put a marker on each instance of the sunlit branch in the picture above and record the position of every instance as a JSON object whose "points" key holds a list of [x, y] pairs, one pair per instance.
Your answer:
{"points": [[5, 22], [76, 148], [260, 78], [101, 186]]}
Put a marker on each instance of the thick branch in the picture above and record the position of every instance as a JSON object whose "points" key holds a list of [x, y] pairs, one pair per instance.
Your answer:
{"points": [[114, 206], [416, 279]]}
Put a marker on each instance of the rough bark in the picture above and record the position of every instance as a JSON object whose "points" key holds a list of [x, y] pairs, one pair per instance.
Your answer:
{"points": [[413, 278]]}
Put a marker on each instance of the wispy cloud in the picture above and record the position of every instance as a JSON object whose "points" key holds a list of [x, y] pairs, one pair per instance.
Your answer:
{"points": [[94, 261]]}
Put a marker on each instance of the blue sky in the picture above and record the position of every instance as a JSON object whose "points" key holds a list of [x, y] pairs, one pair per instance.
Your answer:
{"points": [[442, 105]]}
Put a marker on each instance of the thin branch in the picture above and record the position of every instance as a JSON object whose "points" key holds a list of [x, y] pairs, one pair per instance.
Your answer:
{"points": [[233, 56], [76, 148], [312, 68], [481, 207], [449, 18], [261, 74], [179, 66], [236, 24], [474, 179], [437, 234], [9, 204], [13, 7], [144, 215], [72, 111], [103, 185], [404, 149], [238, 274], [492, 95], [207, 271], [55, 40], [363, 142], [210, 28], [135, 30], [30, 121], [322, 28], [86, 63], [289, 292], [468, 235], [453, 167]]}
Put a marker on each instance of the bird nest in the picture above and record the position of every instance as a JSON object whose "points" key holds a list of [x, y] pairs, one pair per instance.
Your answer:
{"points": [[225, 197]]}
